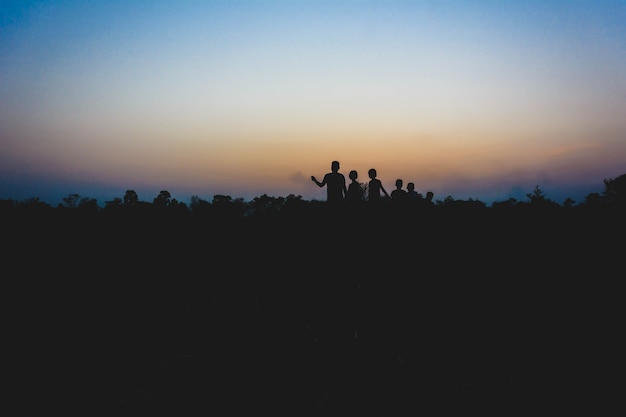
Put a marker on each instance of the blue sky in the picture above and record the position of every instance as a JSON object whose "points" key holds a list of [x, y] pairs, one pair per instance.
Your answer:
{"points": [[472, 99]]}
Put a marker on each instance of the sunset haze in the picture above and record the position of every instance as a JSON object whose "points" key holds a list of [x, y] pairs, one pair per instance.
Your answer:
{"points": [[469, 99]]}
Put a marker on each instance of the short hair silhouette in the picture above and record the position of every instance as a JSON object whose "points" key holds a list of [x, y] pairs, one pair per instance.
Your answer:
{"points": [[335, 183], [398, 193], [355, 189], [410, 191], [375, 186]]}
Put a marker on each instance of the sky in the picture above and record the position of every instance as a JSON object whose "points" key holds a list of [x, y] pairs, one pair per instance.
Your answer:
{"points": [[469, 99]]}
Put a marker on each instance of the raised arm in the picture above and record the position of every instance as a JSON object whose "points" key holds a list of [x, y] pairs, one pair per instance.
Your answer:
{"points": [[319, 184]]}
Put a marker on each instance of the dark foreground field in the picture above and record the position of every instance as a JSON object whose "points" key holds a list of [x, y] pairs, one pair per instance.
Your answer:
{"points": [[316, 314]]}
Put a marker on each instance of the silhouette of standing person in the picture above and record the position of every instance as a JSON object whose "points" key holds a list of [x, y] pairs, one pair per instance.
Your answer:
{"points": [[398, 194], [375, 187], [335, 183], [355, 192], [429, 198], [411, 193]]}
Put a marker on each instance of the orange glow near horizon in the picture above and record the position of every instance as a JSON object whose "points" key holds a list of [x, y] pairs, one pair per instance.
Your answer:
{"points": [[461, 101]]}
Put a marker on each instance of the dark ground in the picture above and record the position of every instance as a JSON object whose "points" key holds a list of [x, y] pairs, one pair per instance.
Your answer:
{"points": [[315, 315]]}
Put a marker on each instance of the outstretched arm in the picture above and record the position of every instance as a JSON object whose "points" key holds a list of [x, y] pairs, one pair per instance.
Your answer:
{"points": [[319, 184], [383, 190]]}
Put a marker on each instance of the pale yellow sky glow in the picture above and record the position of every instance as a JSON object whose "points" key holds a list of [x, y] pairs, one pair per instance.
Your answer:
{"points": [[483, 102]]}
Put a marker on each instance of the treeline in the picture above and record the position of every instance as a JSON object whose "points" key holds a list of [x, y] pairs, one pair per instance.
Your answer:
{"points": [[391, 309], [612, 195]]}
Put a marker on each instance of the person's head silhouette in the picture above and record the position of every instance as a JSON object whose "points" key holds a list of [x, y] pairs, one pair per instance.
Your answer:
{"points": [[375, 186], [410, 191], [335, 183]]}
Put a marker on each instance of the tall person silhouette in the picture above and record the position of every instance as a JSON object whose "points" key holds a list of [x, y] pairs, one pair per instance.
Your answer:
{"points": [[375, 187], [335, 183]]}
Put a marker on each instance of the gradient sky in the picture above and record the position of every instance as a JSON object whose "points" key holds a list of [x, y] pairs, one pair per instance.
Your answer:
{"points": [[469, 99]]}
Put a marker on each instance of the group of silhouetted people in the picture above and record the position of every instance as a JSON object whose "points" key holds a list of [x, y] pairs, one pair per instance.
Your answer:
{"points": [[337, 191]]}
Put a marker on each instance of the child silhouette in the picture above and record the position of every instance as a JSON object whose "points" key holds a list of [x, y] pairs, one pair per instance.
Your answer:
{"points": [[375, 187], [355, 191]]}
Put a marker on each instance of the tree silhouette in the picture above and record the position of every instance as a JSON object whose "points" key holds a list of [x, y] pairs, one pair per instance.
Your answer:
{"points": [[537, 196], [615, 190], [113, 204], [71, 201], [131, 198], [163, 199]]}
